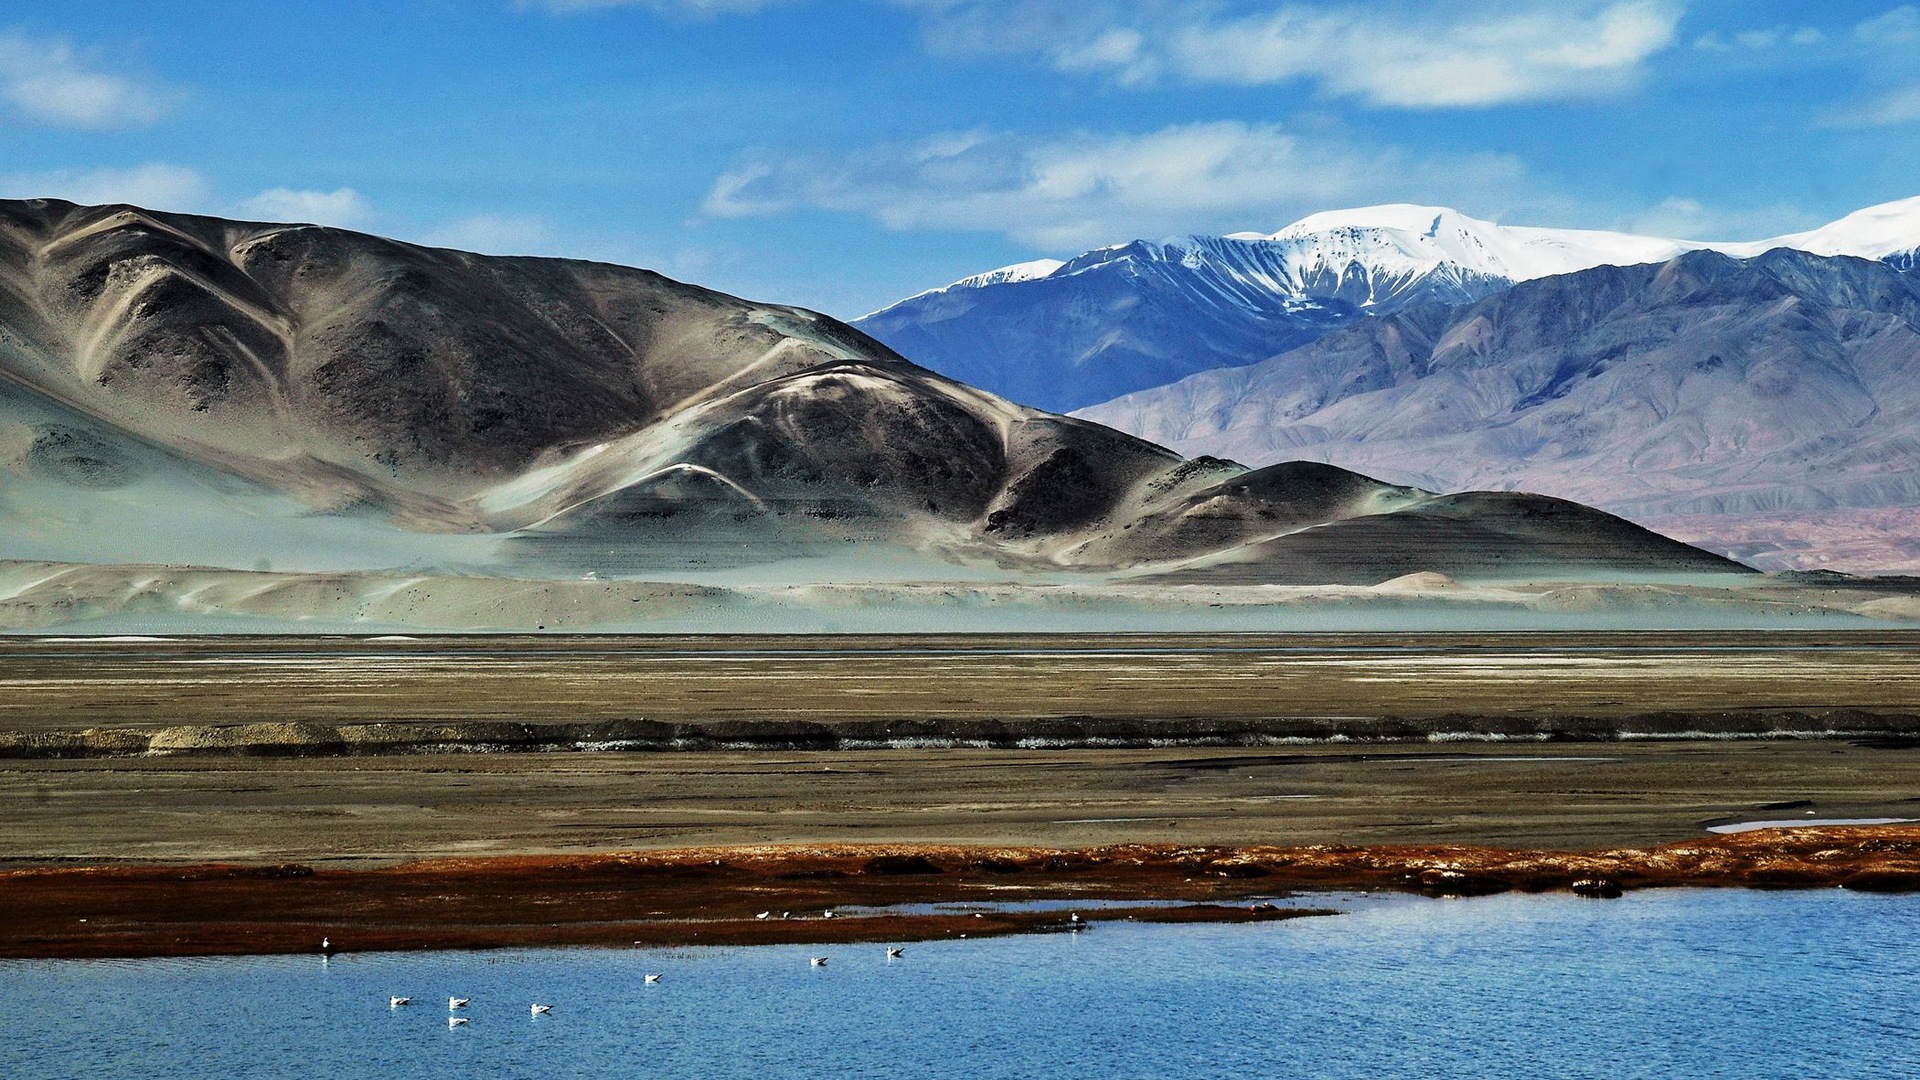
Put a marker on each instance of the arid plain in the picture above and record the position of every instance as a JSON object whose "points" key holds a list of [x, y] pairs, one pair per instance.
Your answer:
{"points": [[255, 794], [355, 751]]}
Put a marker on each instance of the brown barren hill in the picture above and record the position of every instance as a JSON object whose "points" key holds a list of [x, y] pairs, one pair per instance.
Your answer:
{"points": [[596, 413]]}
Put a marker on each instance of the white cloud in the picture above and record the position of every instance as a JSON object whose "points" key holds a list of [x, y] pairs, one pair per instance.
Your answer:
{"points": [[493, 234], [155, 186], [344, 208], [1077, 191], [1525, 57], [47, 83], [1892, 109], [1120, 50], [1901, 26], [1690, 219], [1761, 39], [1397, 55]]}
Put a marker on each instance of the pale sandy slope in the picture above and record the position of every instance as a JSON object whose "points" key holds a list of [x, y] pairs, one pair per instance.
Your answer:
{"points": [[124, 599]]}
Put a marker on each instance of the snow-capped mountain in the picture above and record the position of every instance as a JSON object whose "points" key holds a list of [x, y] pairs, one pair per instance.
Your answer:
{"points": [[1142, 314], [1126, 318], [1415, 240], [1765, 406], [1889, 232], [1026, 271]]}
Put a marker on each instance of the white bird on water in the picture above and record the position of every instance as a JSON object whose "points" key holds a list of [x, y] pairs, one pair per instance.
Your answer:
{"points": [[651, 979], [817, 961], [764, 915], [457, 1003], [396, 1001], [456, 1021], [894, 951], [538, 1009]]}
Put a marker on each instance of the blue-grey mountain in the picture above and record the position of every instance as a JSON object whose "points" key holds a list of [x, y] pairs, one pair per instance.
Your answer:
{"points": [[1067, 335], [1767, 405]]}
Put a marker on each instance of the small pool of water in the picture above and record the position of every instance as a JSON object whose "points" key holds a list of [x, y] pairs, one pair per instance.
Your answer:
{"points": [[1806, 823]]}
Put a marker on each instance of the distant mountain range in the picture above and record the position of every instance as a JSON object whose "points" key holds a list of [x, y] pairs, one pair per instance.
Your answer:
{"points": [[182, 389], [1754, 397], [1066, 335], [1699, 393]]}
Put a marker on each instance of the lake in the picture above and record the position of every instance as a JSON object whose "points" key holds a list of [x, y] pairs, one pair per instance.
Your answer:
{"points": [[1679, 983]]}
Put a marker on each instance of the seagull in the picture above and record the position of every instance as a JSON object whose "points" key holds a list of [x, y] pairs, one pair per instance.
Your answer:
{"points": [[817, 961], [326, 945], [763, 915], [828, 914], [456, 1021], [1075, 917], [457, 1003], [396, 1001], [894, 951], [537, 1009], [651, 979]]}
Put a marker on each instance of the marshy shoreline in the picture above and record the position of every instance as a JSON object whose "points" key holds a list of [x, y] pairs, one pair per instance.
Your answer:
{"points": [[899, 893]]}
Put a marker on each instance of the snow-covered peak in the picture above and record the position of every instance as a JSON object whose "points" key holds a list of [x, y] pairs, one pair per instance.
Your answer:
{"points": [[1436, 234], [1874, 233], [1400, 217], [1375, 255], [1032, 270], [1026, 271]]}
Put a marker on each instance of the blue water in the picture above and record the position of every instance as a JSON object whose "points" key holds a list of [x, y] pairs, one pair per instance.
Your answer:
{"points": [[1664, 984]]}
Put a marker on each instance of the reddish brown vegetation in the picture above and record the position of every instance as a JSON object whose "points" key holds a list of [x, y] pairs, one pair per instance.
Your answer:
{"points": [[712, 896]]}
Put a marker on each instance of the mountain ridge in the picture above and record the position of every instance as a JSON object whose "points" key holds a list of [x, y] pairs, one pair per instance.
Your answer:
{"points": [[1705, 387], [1125, 318], [167, 375]]}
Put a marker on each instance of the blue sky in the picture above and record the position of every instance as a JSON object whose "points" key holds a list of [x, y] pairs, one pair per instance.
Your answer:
{"points": [[843, 154]]}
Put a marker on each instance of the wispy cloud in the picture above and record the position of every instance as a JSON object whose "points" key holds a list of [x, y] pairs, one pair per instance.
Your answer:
{"points": [[493, 234], [1891, 109], [1900, 26], [1393, 55], [1882, 48], [1528, 56], [1690, 219], [155, 185], [1758, 40], [47, 82], [1077, 191], [344, 208]]}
